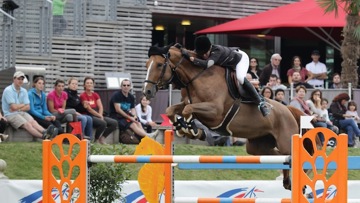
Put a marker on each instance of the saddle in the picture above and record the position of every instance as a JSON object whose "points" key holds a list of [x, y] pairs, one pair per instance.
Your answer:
{"points": [[235, 89]]}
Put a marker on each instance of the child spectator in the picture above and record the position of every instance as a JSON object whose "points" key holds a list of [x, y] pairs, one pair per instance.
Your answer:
{"points": [[324, 115], [144, 113], [352, 111]]}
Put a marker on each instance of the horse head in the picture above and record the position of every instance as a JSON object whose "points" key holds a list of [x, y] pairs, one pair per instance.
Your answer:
{"points": [[161, 68]]}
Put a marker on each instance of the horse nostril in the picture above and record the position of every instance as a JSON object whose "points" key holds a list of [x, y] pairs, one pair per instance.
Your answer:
{"points": [[148, 92]]}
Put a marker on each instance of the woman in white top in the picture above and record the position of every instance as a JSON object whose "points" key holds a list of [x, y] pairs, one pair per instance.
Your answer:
{"points": [[144, 113]]}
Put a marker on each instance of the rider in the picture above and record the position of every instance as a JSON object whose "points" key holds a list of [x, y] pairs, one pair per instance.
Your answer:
{"points": [[224, 56]]}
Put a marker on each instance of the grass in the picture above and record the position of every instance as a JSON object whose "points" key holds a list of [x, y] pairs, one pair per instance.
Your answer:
{"points": [[24, 161]]}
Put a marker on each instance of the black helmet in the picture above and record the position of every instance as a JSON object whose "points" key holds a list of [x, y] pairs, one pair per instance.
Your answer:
{"points": [[202, 44]]}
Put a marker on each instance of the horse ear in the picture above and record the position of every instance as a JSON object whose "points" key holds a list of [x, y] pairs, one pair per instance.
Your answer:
{"points": [[177, 45]]}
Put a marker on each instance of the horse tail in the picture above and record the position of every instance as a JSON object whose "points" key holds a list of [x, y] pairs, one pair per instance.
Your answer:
{"points": [[297, 115]]}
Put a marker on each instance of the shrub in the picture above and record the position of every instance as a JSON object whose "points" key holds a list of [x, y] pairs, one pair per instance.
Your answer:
{"points": [[106, 179]]}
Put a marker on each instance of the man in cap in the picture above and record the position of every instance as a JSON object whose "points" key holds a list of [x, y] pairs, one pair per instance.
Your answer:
{"points": [[317, 71], [226, 57], [15, 104]]}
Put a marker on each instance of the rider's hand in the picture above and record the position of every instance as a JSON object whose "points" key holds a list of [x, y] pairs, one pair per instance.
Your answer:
{"points": [[185, 54]]}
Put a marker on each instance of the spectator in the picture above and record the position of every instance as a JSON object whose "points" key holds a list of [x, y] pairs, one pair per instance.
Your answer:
{"points": [[3, 124], [352, 110], [317, 71], [273, 83], [272, 68], [122, 109], [280, 95], [15, 104], [299, 102], [267, 92], [336, 82], [94, 108], [254, 82], [144, 113], [296, 81], [314, 104], [254, 68], [56, 102], [325, 116], [38, 106], [338, 110], [296, 67], [59, 22], [73, 102]]}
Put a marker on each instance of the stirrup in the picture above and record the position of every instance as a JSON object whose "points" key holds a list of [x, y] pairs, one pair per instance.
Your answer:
{"points": [[263, 109]]}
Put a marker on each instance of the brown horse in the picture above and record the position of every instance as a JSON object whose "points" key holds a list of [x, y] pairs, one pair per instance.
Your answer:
{"points": [[206, 97]]}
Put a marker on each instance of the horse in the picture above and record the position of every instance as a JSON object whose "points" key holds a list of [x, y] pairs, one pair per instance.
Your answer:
{"points": [[206, 97]]}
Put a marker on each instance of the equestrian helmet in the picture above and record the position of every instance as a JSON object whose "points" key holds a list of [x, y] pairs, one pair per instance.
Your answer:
{"points": [[202, 44]]}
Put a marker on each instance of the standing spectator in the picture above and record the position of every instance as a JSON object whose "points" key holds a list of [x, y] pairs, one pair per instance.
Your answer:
{"points": [[15, 104], [296, 81], [267, 92], [317, 71], [144, 113], [3, 124], [254, 69], [59, 22], [336, 82], [296, 67], [274, 84], [73, 102], [272, 68], [279, 96], [94, 108], [38, 106], [338, 110], [56, 102], [122, 108]]}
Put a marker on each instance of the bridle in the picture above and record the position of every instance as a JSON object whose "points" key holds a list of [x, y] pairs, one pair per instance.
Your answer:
{"points": [[175, 78]]}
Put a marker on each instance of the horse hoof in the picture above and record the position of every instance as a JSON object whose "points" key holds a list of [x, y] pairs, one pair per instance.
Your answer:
{"points": [[179, 134]]}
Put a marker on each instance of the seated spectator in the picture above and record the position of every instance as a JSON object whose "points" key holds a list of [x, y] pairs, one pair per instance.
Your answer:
{"points": [[254, 82], [73, 102], [92, 103], [297, 67], [299, 102], [122, 109], [296, 81], [254, 70], [314, 104], [144, 113], [56, 102], [38, 107], [15, 104], [273, 83], [3, 124], [280, 95], [338, 110], [352, 110], [267, 93], [336, 82], [325, 116]]}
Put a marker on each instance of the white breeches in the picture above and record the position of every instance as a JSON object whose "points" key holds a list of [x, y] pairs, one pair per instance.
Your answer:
{"points": [[242, 67]]}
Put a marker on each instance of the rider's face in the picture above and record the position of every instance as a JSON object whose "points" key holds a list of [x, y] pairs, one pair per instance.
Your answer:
{"points": [[206, 55]]}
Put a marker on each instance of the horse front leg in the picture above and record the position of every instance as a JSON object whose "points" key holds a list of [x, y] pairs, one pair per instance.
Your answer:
{"points": [[203, 110], [174, 113]]}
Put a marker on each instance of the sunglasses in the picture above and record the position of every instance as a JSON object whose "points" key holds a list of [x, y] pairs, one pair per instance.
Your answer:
{"points": [[126, 85]]}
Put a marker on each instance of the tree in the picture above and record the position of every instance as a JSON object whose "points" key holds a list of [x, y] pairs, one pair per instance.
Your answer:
{"points": [[350, 46]]}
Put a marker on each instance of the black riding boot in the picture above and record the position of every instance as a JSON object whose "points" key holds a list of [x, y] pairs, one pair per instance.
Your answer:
{"points": [[256, 97]]}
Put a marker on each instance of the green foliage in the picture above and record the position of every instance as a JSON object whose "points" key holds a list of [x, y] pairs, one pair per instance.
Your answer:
{"points": [[106, 179]]}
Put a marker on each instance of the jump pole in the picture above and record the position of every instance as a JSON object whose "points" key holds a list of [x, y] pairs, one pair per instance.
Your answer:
{"points": [[300, 156]]}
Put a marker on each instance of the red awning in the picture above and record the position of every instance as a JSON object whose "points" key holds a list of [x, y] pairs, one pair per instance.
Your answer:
{"points": [[290, 20]]}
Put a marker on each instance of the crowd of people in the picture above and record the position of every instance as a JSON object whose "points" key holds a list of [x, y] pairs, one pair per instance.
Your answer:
{"points": [[42, 115]]}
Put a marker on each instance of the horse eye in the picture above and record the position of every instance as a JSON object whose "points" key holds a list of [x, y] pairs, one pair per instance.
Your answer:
{"points": [[159, 65]]}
